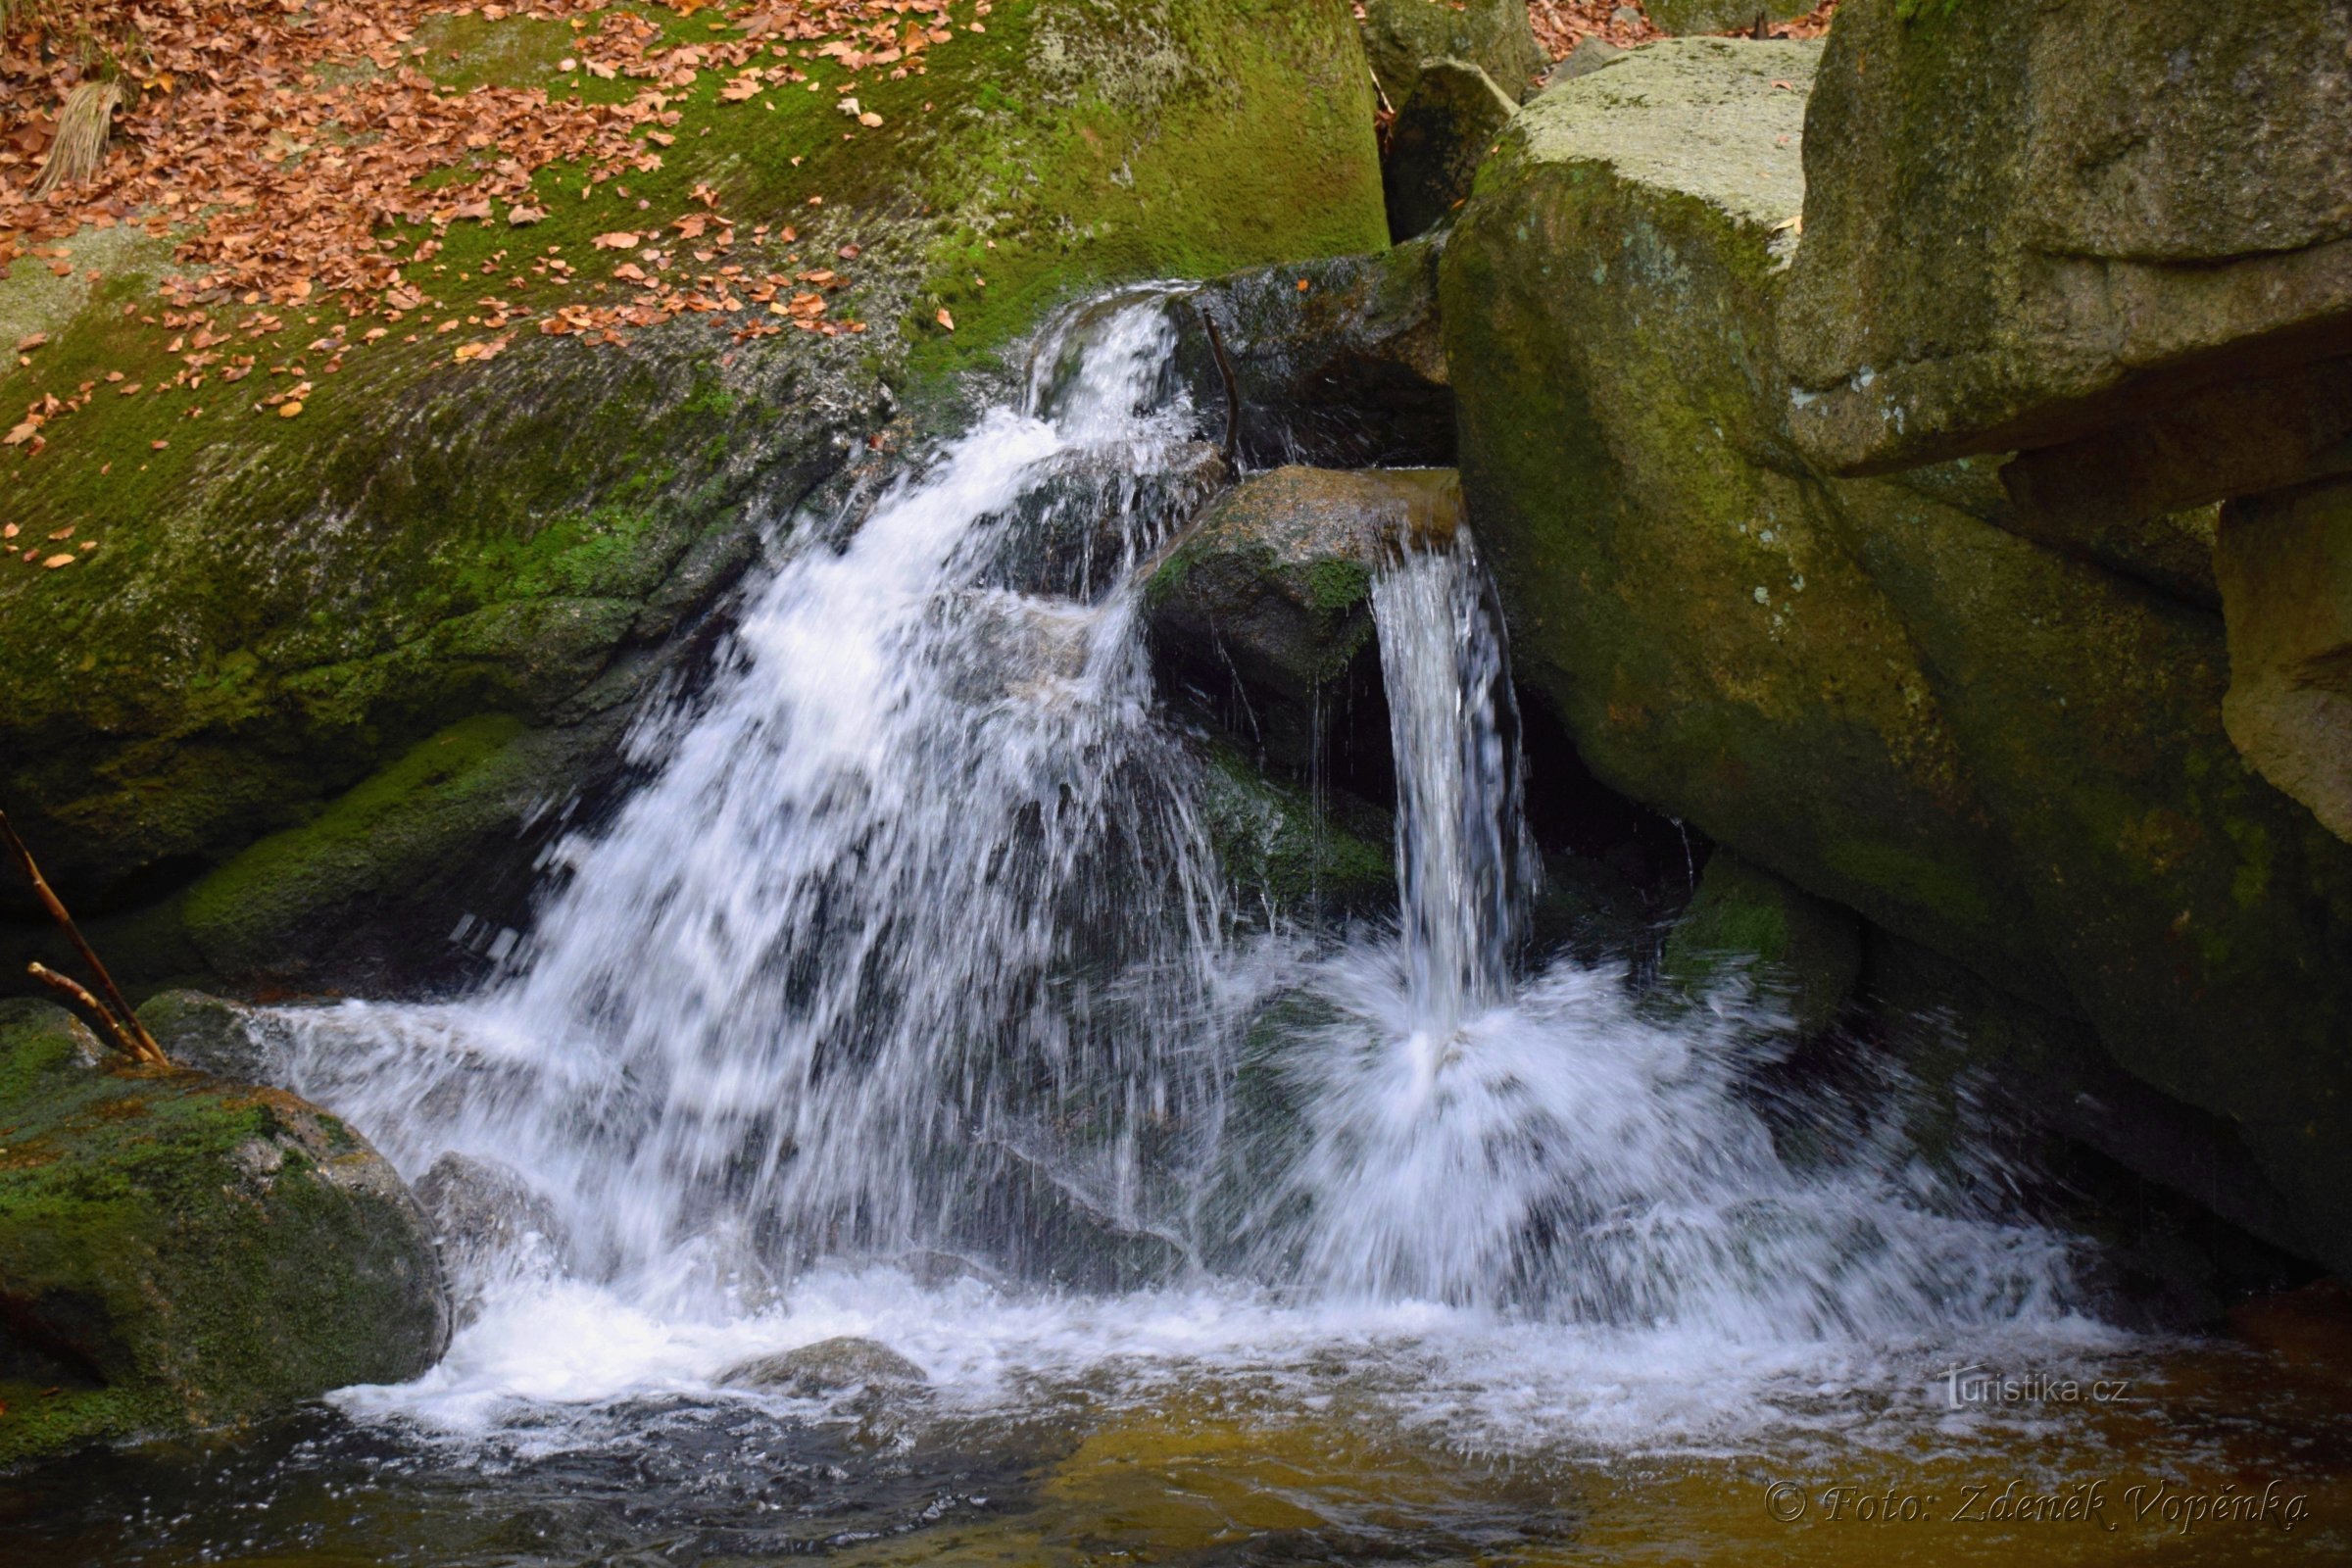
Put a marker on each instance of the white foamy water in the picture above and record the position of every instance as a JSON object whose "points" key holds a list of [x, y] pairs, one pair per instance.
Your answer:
{"points": [[912, 962]]}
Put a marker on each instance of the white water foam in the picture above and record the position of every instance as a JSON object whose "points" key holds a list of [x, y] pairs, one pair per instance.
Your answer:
{"points": [[914, 949]]}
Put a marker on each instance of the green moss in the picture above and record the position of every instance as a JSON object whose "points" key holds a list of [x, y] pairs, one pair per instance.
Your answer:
{"points": [[150, 1218], [1285, 857], [1337, 586]]}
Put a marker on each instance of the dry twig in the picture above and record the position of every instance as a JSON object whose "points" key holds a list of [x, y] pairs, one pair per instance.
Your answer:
{"points": [[117, 1013]]}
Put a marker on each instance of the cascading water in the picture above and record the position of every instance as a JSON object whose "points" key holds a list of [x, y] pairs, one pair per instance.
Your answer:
{"points": [[915, 944]]}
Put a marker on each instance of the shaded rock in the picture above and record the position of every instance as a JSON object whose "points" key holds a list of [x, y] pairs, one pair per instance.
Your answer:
{"points": [[303, 705], [2023, 223], [2286, 566], [1285, 855], [1441, 133], [177, 1252], [2005, 753], [1679, 16], [488, 1220], [1798, 951], [1270, 593], [1591, 52], [1347, 372], [1493, 35], [213, 1035], [829, 1367]]}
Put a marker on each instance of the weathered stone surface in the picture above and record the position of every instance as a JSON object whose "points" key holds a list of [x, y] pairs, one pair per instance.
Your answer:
{"points": [[213, 1035], [1797, 952], [1591, 52], [1494, 35], [1348, 372], [1442, 132], [2285, 567], [2025, 221], [177, 1252], [379, 638], [488, 1222], [828, 1366], [2002, 752], [1271, 591], [1678, 17]]}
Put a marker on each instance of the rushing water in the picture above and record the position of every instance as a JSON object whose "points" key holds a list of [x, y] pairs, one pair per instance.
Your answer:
{"points": [[904, 1001]]}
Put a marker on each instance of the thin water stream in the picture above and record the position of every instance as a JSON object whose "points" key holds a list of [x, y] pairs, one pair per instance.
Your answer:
{"points": [[905, 1002]]}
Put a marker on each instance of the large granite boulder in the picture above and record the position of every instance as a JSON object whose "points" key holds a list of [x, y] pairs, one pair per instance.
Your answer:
{"points": [[1879, 689], [177, 1252], [1680, 16], [2026, 221], [290, 714]]}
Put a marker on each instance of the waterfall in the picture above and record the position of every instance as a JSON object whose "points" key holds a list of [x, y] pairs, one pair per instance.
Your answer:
{"points": [[915, 944]]}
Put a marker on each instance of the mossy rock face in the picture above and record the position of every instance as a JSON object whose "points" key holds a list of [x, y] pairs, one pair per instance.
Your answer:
{"points": [[1271, 590], [179, 1252], [2285, 569], [1442, 135], [1870, 687], [1749, 925], [281, 612], [2025, 220], [1287, 856], [1494, 35]]}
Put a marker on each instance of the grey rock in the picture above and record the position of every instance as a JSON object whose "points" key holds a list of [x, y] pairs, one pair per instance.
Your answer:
{"points": [[2286, 568], [1678, 17], [1590, 54], [489, 1222], [213, 1035]]}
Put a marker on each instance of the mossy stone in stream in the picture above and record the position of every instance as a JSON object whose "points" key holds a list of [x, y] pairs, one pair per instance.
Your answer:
{"points": [[177, 1252], [281, 613], [1746, 925]]}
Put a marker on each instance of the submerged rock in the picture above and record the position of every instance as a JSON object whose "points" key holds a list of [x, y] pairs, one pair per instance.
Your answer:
{"points": [[179, 1252], [829, 1367], [1870, 687], [1442, 135], [1270, 593], [1494, 35]]}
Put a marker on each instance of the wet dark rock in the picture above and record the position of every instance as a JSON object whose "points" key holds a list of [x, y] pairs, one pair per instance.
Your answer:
{"points": [[1269, 596], [1747, 928], [829, 1367], [177, 1252], [1348, 371], [1441, 133]]}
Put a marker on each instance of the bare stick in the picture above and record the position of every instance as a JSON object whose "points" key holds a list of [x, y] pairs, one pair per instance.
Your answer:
{"points": [[74, 992], [1233, 393], [123, 1020]]}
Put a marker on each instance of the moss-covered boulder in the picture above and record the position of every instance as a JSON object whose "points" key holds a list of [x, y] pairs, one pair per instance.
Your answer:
{"points": [[1746, 926], [1494, 35], [1441, 136], [1289, 855], [1876, 688], [1268, 598], [380, 636], [2023, 220], [2286, 568], [177, 1252]]}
